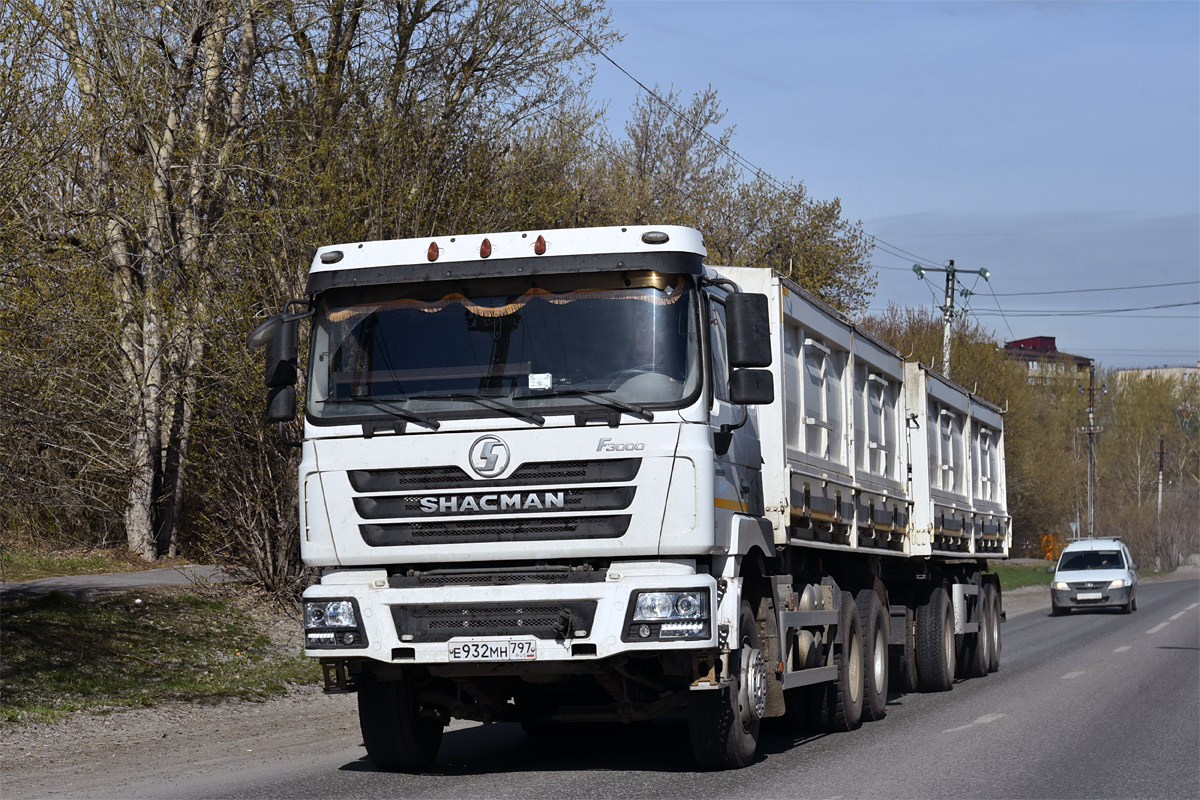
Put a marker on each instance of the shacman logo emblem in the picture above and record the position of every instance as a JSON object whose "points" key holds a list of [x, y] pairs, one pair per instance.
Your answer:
{"points": [[488, 456]]}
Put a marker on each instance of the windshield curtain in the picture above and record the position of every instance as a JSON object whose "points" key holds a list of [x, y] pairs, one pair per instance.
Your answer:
{"points": [[626, 337]]}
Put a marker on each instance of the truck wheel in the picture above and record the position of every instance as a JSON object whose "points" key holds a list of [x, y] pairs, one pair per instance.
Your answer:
{"points": [[873, 626], [396, 738], [724, 723], [840, 703], [935, 642], [991, 608], [903, 659]]}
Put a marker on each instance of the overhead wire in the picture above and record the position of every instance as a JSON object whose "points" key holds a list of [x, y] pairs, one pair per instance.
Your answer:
{"points": [[1104, 289], [881, 244], [738, 158]]}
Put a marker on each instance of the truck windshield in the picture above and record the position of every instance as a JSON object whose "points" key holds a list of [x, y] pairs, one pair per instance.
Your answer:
{"points": [[624, 341]]}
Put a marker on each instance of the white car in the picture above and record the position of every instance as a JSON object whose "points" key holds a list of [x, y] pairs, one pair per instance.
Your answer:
{"points": [[1094, 573]]}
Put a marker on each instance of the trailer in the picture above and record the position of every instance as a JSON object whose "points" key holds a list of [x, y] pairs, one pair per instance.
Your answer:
{"points": [[574, 476]]}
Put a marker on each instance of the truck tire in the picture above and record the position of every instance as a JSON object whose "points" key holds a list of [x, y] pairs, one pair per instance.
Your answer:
{"points": [[935, 642], [903, 659], [992, 609], [873, 625], [396, 738], [840, 702], [724, 723]]}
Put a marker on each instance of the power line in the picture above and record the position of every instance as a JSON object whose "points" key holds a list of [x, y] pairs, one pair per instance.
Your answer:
{"points": [[1109, 289], [738, 158], [1091, 311], [1001, 310]]}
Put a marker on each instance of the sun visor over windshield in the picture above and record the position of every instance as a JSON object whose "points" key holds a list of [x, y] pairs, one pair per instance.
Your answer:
{"points": [[670, 262]]}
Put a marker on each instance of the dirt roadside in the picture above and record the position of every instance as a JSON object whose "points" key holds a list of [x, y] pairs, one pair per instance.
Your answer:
{"points": [[95, 755]]}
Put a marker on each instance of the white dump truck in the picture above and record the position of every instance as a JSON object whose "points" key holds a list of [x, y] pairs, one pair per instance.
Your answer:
{"points": [[573, 476]]}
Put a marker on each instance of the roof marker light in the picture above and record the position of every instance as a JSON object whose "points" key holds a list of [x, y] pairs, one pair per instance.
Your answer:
{"points": [[433, 251], [485, 249], [539, 246], [655, 237], [332, 256]]}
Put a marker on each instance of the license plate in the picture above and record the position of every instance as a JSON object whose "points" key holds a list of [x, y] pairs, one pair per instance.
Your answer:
{"points": [[512, 650], [1088, 596]]}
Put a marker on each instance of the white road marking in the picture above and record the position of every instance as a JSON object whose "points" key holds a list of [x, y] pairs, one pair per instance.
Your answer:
{"points": [[1070, 676], [1121, 649], [986, 719], [1158, 627], [1181, 613]]}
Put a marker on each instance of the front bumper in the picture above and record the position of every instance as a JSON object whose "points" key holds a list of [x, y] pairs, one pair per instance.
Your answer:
{"points": [[597, 614], [1091, 598]]}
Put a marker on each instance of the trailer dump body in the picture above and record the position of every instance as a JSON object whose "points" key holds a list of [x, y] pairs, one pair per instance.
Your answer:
{"points": [[574, 476]]}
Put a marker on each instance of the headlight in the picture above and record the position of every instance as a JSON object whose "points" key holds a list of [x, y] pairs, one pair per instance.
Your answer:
{"points": [[1119, 583], [1061, 585], [330, 614], [659, 606]]}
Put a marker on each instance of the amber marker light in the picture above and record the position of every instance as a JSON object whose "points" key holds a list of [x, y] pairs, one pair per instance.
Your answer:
{"points": [[485, 249], [433, 251], [539, 246]]}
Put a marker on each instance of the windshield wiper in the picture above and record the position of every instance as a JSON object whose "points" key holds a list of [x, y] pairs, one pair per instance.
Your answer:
{"points": [[487, 402], [596, 396], [391, 408]]}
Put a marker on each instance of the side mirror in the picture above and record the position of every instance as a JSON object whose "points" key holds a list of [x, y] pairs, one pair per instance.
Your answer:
{"points": [[748, 321], [280, 336], [1133, 566], [1050, 569], [281, 404], [751, 387]]}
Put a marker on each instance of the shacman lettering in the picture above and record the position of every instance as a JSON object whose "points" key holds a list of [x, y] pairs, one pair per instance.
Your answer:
{"points": [[491, 502]]}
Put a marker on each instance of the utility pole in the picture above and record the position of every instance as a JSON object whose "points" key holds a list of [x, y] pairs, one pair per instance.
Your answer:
{"points": [[948, 312], [1091, 430], [1158, 532]]}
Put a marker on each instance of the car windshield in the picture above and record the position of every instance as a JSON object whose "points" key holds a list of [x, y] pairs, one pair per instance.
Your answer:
{"points": [[618, 341], [1091, 559]]}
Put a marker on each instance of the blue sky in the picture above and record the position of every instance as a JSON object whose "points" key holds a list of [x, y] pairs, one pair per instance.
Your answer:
{"points": [[1056, 144]]}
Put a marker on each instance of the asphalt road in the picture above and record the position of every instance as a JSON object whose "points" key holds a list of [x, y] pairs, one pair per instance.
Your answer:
{"points": [[1092, 705]]}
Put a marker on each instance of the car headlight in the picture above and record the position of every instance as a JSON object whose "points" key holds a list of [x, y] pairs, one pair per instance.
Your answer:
{"points": [[1119, 583], [661, 606], [659, 615], [330, 614], [1061, 585]]}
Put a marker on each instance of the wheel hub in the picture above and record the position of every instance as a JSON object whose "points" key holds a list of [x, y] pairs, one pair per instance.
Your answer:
{"points": [[752, 693]]}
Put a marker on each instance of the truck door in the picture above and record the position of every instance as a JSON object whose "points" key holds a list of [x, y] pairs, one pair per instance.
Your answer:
{"points": [[738, 479]]}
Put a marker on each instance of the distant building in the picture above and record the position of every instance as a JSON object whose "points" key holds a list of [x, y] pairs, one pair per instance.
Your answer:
{"points": [[1178, 374], [1044, 361]]}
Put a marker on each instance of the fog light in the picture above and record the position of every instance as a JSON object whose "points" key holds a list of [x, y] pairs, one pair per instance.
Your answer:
{"points": [[644, 631]]}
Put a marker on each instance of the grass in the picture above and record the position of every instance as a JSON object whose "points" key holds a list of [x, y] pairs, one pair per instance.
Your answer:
{"points": [[20, 563], [1014, 576], [63, 655]]}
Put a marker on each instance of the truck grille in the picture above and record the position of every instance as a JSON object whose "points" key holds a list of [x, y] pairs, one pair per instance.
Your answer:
{"points": [[542, 620], [495, 530], [607, 499], [445, 505], [418, 479]]}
